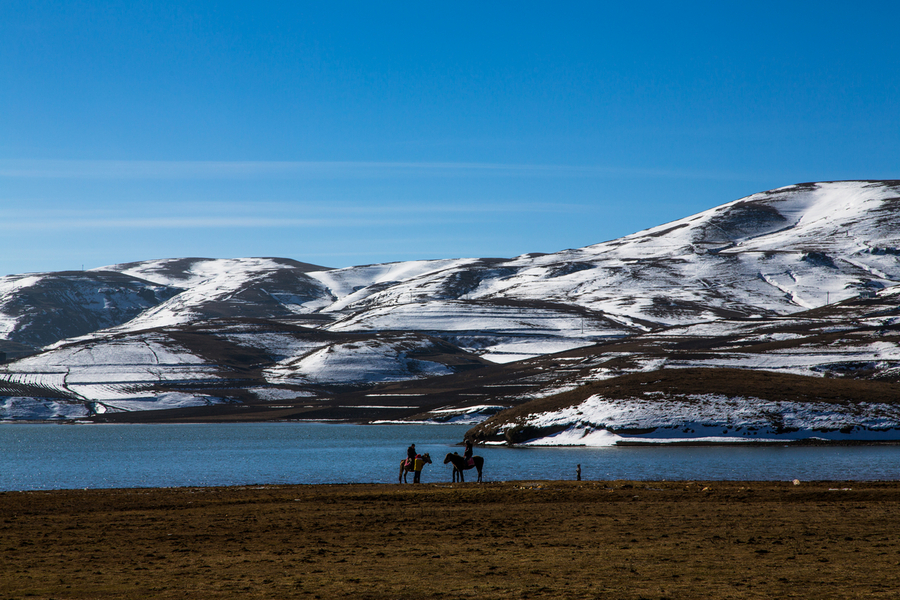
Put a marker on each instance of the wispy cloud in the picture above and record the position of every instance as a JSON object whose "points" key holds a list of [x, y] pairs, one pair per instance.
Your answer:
{"points": [[263, 215], [157, 223], [149, 169]]}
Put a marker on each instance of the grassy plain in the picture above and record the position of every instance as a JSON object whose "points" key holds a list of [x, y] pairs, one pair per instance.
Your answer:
{"points": [[616, 540]]}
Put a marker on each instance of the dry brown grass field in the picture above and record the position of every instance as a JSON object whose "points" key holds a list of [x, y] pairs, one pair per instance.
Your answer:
{"points": [[616, 540]]}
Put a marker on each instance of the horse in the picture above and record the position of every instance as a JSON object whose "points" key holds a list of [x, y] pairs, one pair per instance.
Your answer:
{"points": [[405, 468], [460, 465]]}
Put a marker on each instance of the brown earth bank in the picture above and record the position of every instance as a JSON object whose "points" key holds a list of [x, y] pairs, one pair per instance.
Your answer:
{"points": [[589, 539], [686, 385]]}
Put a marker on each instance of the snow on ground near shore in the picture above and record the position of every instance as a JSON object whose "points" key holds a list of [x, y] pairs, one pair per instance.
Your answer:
{"points": [[471, 415], [595, 421], [40, 409], [44, 409]]}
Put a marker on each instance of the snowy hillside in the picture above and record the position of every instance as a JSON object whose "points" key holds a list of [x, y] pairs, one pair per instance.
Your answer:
{"points": [[771, 281], [40, 308], [773, 253]]}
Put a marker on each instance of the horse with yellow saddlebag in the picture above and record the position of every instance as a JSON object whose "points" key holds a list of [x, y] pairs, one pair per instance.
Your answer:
{"points": [[415, 465]]}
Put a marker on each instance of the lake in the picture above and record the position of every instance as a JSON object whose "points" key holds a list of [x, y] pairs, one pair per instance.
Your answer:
{"points": [[42, 457]]}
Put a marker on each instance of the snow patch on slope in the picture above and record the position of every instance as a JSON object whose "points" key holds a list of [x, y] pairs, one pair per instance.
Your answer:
{"points": [[116, 374], [362, 362], [602, 421]]}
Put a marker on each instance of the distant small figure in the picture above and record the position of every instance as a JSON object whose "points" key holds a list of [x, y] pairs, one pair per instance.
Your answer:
{"points": [[578, 473]]}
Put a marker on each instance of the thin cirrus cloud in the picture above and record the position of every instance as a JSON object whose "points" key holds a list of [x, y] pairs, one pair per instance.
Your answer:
{"points": [[152, 169], [282, 215], [37, 223]]}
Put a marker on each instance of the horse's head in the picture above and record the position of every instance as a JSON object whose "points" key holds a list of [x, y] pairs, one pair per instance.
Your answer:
{"points": [[427, 458], [447, 458]]}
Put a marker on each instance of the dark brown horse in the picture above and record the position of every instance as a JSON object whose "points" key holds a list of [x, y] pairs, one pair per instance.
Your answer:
{"points": [[460, 465], [406, 467]]}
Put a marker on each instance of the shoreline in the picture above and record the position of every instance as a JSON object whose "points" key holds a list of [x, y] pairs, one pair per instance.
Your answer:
{"points": [[608, 484], [659, 442]]}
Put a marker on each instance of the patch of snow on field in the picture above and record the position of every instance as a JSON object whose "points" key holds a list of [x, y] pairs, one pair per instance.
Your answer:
{"points": [[359, 362], [264, 393], [523, 348], [50, 379], [470, 415], [162, 401], [512, 332], [113, 370], [278, 344], [146, 350], [40, 409]]}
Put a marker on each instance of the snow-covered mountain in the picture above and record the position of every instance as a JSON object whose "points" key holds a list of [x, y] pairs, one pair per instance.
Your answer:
{"points": [[41, 308], [772, 253], [264, 332]]}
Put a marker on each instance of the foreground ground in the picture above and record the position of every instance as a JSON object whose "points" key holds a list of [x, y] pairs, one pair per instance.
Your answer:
{"points": [[617, 540]]}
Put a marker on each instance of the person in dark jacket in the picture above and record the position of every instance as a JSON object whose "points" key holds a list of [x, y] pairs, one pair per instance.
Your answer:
{"points": [[411, 455], [467, 455]]}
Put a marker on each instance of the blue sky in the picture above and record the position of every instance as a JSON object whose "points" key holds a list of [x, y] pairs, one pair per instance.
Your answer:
{"points": [[347, 133]]}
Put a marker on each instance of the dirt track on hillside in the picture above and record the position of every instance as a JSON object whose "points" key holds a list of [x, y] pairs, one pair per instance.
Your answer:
{"points": [[508, 540]]}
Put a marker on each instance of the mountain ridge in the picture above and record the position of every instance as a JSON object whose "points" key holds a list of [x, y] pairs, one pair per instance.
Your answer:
{"points": [[762, 263]]}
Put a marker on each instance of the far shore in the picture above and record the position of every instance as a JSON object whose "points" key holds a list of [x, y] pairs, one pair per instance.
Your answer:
{"points": [[138, 418]]}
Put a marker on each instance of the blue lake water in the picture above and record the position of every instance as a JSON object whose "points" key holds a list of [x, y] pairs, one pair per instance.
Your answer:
{"points": [[41, 457]]}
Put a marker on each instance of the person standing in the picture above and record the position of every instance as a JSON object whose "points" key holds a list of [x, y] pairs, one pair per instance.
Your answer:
{"points": [[578, 472]]}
